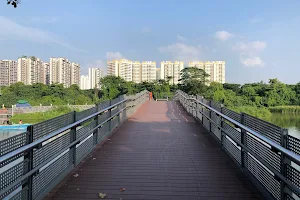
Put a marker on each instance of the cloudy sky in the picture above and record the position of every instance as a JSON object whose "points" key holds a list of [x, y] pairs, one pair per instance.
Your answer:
{"points": [[258, 39]]}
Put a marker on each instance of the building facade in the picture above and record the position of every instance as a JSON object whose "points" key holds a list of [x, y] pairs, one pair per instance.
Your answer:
{"points": [[170, 71], [64, 72], [95, 74], [136, 72], [30, 70], [148, 71], [85, 82], [113, 67], [9, 72], [158, 74], [215, 70]]}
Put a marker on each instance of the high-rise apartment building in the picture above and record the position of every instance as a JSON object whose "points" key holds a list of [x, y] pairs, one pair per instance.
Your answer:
{"points": [[125, 69], [113, 67], [46, 73], [171, 71], [132, 70], [148, 71], [158, 74], [30, 70], [215, 70], [64, 72], [9, 71], [95, 74], [75, 73], [136, 72], [85, 83]]}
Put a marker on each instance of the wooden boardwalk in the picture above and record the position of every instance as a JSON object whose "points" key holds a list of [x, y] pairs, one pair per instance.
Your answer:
{"points": [[159, 153]]}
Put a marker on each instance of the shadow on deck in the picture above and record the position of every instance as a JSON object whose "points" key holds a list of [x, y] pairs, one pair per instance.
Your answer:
{"points": [[159, 153]]}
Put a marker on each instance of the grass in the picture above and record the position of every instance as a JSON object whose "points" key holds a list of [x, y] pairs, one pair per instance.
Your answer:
{"points": [[259, 112], [285, 109], [33, 118]]}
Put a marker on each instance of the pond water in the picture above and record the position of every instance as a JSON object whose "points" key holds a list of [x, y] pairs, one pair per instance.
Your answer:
{"points": [[9, 131], [287, 120]]}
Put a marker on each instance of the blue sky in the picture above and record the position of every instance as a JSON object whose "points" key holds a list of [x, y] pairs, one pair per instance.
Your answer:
{"points": [[258, 39]]}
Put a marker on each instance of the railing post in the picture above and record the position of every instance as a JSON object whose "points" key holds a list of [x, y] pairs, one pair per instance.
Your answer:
{"points": [[72, 152], [222, 127], [202, 110], [243, 133], [96, 133], [29, 156], [109, 116], [210, 116], [119, 109], [284, 133]]}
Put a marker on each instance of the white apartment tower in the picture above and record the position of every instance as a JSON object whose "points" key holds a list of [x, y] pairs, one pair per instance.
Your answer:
{"points": [[113, 67], [75, 73], [95, 74], [158, 74], [84, 83], [64, 72], [136, 72], [30, 70], [148, 71], [9, 71], [46, 73], [215, 70], [125, 69], [171, 71]]}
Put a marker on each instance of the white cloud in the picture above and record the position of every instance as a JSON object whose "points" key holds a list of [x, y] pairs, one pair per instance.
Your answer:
{"points": [[249, 52], [252, 61], [180, 38], [114, 55], [180, 51], [223, 35], [255, 46], [15, 31], [146, 29]]}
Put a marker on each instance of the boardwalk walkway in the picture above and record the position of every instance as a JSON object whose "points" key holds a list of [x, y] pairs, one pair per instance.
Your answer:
{"points": [[159, 153]]}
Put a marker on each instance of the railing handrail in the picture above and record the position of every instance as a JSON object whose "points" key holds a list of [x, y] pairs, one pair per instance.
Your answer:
{"points": [[295, 157], [54, 133]]}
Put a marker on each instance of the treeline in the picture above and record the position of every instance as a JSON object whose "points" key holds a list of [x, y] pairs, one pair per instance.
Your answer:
{"points": [[56, 94], [255, 98]]}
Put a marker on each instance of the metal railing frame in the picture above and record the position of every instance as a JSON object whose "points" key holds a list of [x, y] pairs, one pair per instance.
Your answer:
{"points": [[286, 155], [28, 148]]}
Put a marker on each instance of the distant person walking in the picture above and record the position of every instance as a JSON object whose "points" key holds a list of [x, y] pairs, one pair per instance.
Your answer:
{"points": [[150, 96], [20, 122]]}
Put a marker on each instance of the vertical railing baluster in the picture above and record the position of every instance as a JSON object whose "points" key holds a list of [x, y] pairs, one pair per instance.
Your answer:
{"points": [[72, 152], [284, 134], [222, 127], [109, 116], [29, 157], [210, 103], [243, 134], [202, 110], [97, 131]]}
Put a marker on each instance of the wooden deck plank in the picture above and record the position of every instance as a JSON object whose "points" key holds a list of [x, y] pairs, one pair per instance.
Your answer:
{"points": [[159, 153]]}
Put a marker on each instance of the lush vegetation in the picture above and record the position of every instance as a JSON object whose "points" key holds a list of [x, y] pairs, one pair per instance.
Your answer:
{"points": [[257, 99], [32, 118]]}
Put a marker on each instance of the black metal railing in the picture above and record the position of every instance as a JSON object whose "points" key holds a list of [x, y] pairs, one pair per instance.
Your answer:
{"points": [[265, 152], [34, 162]]}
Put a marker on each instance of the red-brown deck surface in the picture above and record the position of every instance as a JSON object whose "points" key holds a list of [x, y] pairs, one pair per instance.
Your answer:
{"points": [[159, 153]]}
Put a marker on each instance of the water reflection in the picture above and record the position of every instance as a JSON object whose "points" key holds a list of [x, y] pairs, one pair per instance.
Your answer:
{"points": [[289, 121]]}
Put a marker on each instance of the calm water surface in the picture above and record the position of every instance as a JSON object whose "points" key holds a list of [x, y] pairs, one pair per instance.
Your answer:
{"points": [[289, 121]]}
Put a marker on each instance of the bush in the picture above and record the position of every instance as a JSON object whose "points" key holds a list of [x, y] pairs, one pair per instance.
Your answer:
{"points": [[259, 112], [285, 109]]}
